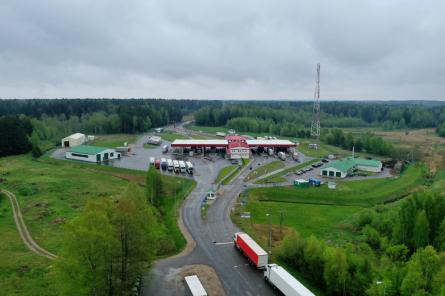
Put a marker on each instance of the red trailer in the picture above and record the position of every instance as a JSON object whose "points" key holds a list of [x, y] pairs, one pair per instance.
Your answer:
{"points": [[157, 164], [254, 253]]}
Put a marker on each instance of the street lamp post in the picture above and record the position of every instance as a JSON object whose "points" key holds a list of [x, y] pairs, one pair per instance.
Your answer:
{"points": [[270, 232]]}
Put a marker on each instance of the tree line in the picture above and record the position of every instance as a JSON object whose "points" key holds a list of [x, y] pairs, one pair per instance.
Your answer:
{"points": [[400, 251]]}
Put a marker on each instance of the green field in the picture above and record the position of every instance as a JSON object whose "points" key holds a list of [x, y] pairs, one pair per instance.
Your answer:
{"points": [[113, 141], [265, 169], [352, 193], [171, 136], [279, 177], [50, 193]]}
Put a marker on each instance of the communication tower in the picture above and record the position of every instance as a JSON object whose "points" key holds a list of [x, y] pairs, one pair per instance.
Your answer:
{"points": [[315, 126]]}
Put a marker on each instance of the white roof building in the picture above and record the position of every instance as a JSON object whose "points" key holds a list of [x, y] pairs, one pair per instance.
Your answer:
{"points": [[73, 140]]}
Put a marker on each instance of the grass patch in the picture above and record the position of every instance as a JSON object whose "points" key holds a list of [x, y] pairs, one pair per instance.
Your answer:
{"points": [[264, 169], [150, 146], [52, 192], [113, 141], [279, 177], [224, 172], [352, 193], [171, 136]]}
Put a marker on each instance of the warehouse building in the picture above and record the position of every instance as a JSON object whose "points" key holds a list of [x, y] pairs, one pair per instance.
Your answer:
{"points": [[73, 140], [346, 167], [91, 153]]}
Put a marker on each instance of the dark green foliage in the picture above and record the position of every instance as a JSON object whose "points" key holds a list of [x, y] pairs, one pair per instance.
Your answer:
{"points": [[154, 187], [14, 135]]}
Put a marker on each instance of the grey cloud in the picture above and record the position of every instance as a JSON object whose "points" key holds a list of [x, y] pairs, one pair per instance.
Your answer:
{"points": [[222, 49]]}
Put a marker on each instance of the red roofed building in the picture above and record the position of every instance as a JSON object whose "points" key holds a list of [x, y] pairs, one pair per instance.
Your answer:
{"points": [[237, 147]]}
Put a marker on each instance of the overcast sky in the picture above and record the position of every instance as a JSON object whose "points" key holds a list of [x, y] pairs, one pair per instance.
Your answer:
{"points": [[376, 49]]}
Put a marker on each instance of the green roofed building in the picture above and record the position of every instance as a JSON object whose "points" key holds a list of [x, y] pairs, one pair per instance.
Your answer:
{"points": [[91, 153], [346, 167]]}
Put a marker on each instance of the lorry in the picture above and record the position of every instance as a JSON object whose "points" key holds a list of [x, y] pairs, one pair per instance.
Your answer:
{"points": [[193, 286], [165, 149], [176, 166], [282, 155], [270, 151], [254, 253], [169, 164], [182, 166], [164, 164], [157, 164], [189, 167], [280, 279]]}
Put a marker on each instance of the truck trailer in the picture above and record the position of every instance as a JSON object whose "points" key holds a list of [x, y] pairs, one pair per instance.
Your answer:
{"points": [[282, 155], [280, 279], [254, 253], [182, 166], [193, 286], [189, 167]]}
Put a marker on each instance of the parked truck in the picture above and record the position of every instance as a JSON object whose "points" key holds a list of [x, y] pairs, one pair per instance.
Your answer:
{"points": [[189, 167], [176, 166], [282, 155], [254, 253], [164, 164], [182, 166], [193, 286], [280, 279]]}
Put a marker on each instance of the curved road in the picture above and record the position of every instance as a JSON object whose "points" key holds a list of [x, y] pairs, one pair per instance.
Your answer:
{"points": [[23, 230], [214, 246]]}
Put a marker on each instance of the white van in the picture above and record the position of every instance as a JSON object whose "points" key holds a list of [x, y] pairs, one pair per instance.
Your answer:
{"points": [[189, 167], [169, 164], [176, 166]]}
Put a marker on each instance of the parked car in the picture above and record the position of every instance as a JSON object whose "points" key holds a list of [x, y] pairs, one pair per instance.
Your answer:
{"points": [[324, 160], [299, 173]]}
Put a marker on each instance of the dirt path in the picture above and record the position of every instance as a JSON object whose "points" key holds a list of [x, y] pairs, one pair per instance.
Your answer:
{"points": [[23, 231]]}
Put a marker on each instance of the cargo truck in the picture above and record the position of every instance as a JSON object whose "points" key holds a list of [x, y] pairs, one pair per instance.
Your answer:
{"points": [[280, 279], [164, 164], [254, 253], [193, 286], [282, 155], [169, 164], [189, 167], [176, 166], [182, 166]]}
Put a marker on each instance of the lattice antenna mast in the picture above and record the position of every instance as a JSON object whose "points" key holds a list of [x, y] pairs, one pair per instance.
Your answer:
{"points": [[315, 126]]}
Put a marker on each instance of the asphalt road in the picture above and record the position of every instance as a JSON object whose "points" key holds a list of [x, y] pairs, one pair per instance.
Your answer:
{"points": [[214, 245]]}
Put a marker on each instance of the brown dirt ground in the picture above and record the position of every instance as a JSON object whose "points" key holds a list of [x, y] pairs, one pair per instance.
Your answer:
{"points": [[207, 276]]}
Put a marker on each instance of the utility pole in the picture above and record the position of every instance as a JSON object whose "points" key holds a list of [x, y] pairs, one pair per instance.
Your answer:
{"points": [[315, 126]]}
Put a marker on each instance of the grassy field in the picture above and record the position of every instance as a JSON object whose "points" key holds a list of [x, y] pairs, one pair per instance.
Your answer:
{"points": [[113, 141], [171, 136], [50, 193], [348, 193], [224, 172], [264, 169], [279, 177]]}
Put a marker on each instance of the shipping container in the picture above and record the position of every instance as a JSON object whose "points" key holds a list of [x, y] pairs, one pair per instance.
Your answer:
{"points": [[256, 255]]}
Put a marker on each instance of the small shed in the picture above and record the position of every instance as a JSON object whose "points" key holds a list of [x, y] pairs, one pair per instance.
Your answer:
{"points": [[73, 140], [301, 183]]}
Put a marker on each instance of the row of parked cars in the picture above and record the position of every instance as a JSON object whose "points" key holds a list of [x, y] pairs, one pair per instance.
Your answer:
{"points": [[177, 166], [313, 166]]}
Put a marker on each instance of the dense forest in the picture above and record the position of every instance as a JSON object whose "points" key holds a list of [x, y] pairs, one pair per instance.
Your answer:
{"points": [[287, 118], [402, 248]]}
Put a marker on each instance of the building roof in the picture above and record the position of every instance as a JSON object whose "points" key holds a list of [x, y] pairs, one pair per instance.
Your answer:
{"points": [[273, 142], [367, 162], [76, 136], [238, 145], [199, 143], [87, 149], [342, 165]]}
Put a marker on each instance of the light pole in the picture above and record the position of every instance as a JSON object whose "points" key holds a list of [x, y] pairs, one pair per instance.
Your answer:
{"points": [[384, 286], [270, 232]]}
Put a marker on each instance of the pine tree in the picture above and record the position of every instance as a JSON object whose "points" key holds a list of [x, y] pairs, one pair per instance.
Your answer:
{"points": [[421, 230]]}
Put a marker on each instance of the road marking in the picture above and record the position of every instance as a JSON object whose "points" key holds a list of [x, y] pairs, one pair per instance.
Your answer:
{"points": [[226, 243]]}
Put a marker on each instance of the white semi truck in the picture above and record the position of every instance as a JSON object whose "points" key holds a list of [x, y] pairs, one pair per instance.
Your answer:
{"points": [[280, 279]]}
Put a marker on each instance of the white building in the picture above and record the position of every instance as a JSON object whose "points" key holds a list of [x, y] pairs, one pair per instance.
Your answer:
{"points": [[73, 140], [92, 153]]}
